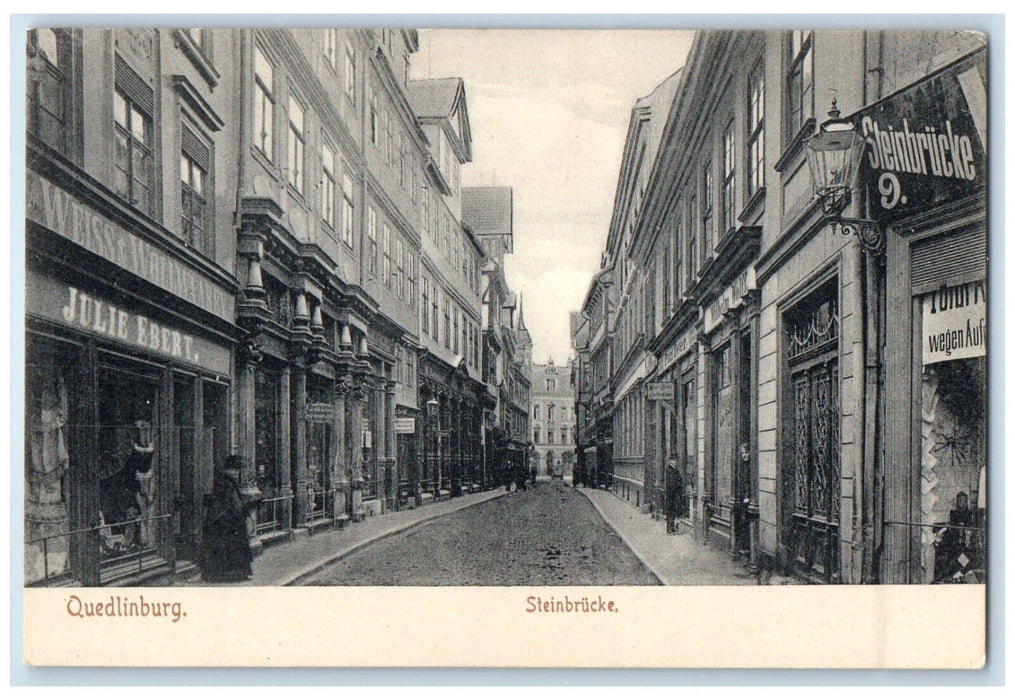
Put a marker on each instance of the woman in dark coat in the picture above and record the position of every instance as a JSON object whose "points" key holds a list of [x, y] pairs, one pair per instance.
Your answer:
{"points": [[225, 550]]}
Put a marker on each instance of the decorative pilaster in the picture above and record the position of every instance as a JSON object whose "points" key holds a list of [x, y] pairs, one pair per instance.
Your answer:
{"points": [[390, 457]]}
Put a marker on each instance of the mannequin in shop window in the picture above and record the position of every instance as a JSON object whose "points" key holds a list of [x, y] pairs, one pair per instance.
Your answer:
{"points": [[140, 463]]}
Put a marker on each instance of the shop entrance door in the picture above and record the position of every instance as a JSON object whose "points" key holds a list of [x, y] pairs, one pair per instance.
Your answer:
{"points": [[318, 454]]}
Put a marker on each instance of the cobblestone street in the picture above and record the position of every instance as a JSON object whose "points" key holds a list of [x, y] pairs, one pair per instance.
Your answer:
{"points": [[549, 535]]}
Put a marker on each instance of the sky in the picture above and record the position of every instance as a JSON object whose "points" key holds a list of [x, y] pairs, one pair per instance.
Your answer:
{"points": [[549, 112]]}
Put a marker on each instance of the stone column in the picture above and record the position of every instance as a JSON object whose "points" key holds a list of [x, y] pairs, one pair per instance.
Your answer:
{"points": [[390, 453], [248, 357], [284, 437], [339, 476], [299, 442], [354, 434]]}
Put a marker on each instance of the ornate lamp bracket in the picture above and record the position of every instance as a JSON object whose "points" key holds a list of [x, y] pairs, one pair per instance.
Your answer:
{"points": [[868, 232]]}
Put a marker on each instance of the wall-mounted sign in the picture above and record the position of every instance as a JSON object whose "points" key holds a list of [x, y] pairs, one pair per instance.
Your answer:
{"points": [[659, 391], [320, 412], [51, 207], [368, 439], [925, 145], [86, 312], [731, 298], [955, 323], [684, 342], [405, 426]]}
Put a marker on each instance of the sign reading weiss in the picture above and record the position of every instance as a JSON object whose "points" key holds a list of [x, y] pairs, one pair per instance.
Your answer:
{"points": [[56, 210], [955, 323]]}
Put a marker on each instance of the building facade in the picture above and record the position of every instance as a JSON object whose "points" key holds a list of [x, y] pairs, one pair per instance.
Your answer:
{"points": [[241, 241], [506, 342], [777, 321], [553, 419]]}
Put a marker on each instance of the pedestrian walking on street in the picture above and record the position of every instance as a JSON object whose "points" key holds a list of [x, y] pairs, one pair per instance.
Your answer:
{"points": [[674, 486], [225, 546], [532, 473]]}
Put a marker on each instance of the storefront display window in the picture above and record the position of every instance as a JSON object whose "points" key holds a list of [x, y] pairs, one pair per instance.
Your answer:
{"points": [[953, 428], [47, 459], [128, 465]]}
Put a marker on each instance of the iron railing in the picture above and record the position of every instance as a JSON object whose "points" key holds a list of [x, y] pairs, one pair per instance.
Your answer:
{"points": [[277, 507], [109, 543]]}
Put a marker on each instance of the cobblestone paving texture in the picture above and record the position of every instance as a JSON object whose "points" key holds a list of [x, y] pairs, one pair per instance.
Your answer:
{"points": [[547, 536]]}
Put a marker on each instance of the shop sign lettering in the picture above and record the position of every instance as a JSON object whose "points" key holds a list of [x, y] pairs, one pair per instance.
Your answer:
{"points": [[51, 207], [955, 323], [677, 349], [731, 298], [925, 145], [76, 308], [659, 391], [405, 426], [320, 412]]}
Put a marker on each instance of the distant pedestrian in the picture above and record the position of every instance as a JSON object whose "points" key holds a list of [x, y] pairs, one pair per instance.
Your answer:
{"points": [[532, 473], [225, 546], [674, 487]]}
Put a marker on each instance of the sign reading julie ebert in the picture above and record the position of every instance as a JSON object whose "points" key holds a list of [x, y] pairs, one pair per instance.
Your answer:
{"points": [[955, 323]]}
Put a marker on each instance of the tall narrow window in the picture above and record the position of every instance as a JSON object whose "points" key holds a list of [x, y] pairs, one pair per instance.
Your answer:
{"points": [[350, 74], [372, 236], [799, 81], [402, 174], [194, 163], [410, 279], [328, 185], [425, 318], [296, 145], [134, 171], [425, 195], [399, 269], [692, 241], [454, 334], [264, 103], [331, 47], [375, 129], [48, 78], [447, 323], [435, 312], [706, 210], [348, 211], [756, 133], [729, 177], [389, 142], [386, 245]]}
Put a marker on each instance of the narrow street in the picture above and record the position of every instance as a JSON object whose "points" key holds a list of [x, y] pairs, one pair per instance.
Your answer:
{"points": [[550, 535]]}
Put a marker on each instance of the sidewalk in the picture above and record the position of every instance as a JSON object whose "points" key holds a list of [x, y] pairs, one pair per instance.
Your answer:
{"points": [[676, 560], [284, 564]]}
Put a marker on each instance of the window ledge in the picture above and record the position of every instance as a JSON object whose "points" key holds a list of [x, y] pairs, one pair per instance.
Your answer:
{"points": [[196, 55], [754, 204], [795, 145]]}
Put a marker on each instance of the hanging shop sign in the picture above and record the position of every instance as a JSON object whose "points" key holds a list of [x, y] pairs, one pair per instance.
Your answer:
{"points": [[684, 342], [925, 144], [90, 313], [320, 412], [405, 426], [731, 298], [51, 207], [955, 323]]}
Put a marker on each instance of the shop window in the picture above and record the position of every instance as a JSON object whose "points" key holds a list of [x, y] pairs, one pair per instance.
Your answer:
{"points": [[128, 460], [723, 424], [812, 328], [133, 107], [48, 95], [266, 432], [48, 423], [195, 164]]}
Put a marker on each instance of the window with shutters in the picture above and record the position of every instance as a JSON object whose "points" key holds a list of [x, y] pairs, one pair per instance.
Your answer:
{"points": [[195, 166], [133, 109]]}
